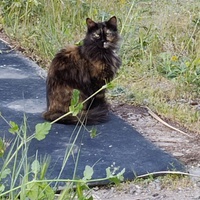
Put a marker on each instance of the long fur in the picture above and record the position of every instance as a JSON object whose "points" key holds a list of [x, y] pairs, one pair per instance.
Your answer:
{"points": [[87, 68]]}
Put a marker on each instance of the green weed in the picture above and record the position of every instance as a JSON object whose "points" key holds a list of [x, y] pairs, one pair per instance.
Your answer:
{"points": [[28, 179]]}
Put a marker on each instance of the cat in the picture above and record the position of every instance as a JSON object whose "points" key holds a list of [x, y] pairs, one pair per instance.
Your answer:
{"points": [[86, 68]]}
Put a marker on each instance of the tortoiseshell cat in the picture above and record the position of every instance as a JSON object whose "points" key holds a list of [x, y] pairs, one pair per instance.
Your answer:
{"points": [[86, 68]]}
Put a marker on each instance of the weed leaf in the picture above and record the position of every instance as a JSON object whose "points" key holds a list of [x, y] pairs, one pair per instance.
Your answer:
{"points": [[75, 106], [2, 148], [76, 109], [2, 188], [41, 130], [40, 191], [115, 178], [88, 172], [93, 132], [14, 128], [4, 173], [108, 172], [75, 97], [35, 167], [120, 175]]}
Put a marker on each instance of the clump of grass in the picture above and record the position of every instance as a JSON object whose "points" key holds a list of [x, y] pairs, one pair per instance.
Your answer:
{"points": [[160, 47]]}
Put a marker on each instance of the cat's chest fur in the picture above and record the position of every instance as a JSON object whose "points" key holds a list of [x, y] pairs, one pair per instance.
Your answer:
{"points": [[103, 66], [101, 69]]}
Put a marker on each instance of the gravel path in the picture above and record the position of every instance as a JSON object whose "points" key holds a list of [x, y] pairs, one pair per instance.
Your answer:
{"points": [[170, 187]]}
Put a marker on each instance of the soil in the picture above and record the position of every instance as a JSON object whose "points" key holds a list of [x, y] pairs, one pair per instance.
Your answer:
{"points": [[185, 147]]}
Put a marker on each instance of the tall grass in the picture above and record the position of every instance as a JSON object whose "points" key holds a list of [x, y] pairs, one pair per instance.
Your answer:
{"points": [[160, 47]]}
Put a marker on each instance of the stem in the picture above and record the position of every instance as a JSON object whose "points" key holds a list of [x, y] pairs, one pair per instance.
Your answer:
{"points": [[61, 117], [16, 151], [123, 25], [69, 153], [102, 88]]}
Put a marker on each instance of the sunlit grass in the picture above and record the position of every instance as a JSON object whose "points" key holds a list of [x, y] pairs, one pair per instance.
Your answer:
{"points": [[160, 47]]}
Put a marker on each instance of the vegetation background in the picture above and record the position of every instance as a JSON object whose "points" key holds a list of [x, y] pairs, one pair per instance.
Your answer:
{"points": [[160, 50], [160, 47]]}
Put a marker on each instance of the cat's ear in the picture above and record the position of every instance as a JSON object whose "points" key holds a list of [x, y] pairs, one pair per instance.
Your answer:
{"points": [[90, 23], [113, 21]]}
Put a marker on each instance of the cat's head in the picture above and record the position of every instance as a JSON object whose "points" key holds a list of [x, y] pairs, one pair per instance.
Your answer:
{"points": [[103, 34]]}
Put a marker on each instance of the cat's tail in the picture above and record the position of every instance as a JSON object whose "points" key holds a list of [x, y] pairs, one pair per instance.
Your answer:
{"points": [[96, 115]]}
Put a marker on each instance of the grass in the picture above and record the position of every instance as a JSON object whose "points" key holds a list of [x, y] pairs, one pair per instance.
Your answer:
{"points": [[160, 48], [160, 51]]}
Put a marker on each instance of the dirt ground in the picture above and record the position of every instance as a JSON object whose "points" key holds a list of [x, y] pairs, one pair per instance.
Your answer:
{"points": [[184, 146]]}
